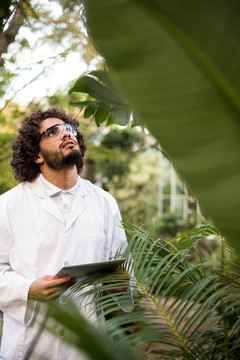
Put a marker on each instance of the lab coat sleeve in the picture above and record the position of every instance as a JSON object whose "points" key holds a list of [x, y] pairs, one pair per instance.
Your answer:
{"points": [[119, 240], [13, 286]]}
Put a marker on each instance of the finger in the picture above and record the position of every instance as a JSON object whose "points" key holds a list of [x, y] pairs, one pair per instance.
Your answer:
{"points": [[59, 288], [63, 286], [56, 294], [62, 280], [57, 282]]}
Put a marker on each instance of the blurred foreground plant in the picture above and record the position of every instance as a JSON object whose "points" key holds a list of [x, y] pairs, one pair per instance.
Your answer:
{"points": [[183, 307], [176, 65]]}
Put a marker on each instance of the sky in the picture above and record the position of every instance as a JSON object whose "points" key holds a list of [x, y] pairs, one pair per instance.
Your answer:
{"points": [[59, 76]]}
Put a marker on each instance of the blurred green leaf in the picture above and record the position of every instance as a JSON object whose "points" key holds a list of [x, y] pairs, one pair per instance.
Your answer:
{"points": [[83, 335], [82, 104], [95, 88], [120, 115], [177, 63], [101, 115], [89, 111], [108, 102]]}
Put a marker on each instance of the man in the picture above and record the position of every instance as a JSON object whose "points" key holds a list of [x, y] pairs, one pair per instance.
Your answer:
{"points": [[52, 218]]}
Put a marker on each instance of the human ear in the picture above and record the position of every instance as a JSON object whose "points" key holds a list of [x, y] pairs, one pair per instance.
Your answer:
{"points": [[39, 159]]}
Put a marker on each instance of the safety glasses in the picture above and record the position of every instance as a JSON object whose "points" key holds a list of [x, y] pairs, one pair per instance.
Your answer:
{"points": [[56, 131]]}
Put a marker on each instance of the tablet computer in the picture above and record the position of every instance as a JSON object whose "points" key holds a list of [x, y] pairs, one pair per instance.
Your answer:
{"points": [[89, 271]]}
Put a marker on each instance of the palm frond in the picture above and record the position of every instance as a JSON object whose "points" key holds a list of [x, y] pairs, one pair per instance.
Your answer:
{"points": [[182, 308]]}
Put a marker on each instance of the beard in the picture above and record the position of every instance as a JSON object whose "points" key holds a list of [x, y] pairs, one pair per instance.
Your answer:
{"points": [[58, 161]]}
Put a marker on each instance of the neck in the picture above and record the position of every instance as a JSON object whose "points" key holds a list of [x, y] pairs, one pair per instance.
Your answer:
{"points": [[63, 179]]}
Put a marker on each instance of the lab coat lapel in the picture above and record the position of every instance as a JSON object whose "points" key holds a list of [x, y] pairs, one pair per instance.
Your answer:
{"points": [[79, 204], [47, 203], [50, 207]]}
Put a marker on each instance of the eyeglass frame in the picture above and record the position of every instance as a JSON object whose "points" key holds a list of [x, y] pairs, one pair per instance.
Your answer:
{"points": [[73, 127]]}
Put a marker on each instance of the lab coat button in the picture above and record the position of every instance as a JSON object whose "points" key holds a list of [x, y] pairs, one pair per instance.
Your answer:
{"points": [[65, 206], [66, 263]]}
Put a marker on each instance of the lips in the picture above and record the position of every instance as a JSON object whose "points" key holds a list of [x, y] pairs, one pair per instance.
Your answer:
{"points": [[68, 143]]}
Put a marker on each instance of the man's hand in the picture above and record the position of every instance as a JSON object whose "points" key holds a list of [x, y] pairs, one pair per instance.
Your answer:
{"points": [[47, 288]]}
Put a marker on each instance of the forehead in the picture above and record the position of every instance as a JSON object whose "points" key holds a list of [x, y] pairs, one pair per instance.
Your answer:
{"points": [[45, 124]]}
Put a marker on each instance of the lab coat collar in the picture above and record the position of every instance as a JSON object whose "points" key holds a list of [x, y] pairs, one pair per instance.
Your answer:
{"points": [[48, 205], [38, 189], [52, 190]]}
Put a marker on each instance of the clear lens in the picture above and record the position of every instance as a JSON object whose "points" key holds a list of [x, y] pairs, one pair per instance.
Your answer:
{"points": [[55, 131]]}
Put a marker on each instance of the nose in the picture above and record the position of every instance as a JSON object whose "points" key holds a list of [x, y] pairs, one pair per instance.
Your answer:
{"points": [[65, 133]]}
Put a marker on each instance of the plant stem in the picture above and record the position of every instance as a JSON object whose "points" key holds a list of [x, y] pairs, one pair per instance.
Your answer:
{"points": [[164, 314]]}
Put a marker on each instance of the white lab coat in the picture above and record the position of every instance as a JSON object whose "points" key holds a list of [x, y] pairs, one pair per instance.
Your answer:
{"points": [[34, 241]]}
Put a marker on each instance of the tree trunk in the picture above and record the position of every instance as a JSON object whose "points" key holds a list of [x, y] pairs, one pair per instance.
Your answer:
{"points": [[8, 36]]}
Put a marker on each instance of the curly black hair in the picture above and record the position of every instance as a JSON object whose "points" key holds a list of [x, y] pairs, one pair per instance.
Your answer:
{"points": [[25, 146]]}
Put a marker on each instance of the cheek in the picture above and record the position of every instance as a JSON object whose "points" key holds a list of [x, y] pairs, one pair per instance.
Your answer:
{"points": [[81, 149], [50, 148]]}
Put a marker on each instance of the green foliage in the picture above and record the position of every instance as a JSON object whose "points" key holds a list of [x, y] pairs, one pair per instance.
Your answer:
{"points": [[177, 64], [6, 178], [183, 307], [170, 225], [137, 192], [57, 27], [129, 171], [58, 99], [122, 140], [112, 157], [5, 78], [105, 103], [167, 189], [84, 336]]}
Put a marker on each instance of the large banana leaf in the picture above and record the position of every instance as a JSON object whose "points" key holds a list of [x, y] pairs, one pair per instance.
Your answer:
{"points": [[177, 62]]}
